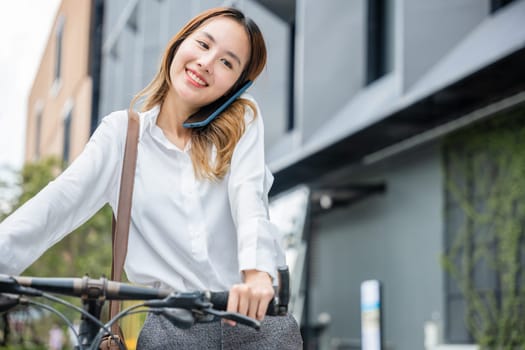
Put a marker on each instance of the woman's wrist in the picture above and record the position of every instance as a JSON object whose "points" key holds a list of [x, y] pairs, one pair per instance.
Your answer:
{"points": [[251, 275]]}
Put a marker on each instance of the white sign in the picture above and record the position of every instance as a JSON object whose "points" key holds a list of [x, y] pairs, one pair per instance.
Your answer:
{"points": [[371, 315]]}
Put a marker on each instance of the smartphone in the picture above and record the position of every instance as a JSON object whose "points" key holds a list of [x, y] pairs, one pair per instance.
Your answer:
{"points": [[209, 112]]}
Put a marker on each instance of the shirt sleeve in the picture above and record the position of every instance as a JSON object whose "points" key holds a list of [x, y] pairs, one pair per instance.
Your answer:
{"points": [[248, 187], [66, 202]]}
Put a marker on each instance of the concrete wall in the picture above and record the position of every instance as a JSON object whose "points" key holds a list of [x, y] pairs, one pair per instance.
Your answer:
{"points": [[432, 28], [271, 88], [332, 61], [395, 237]]}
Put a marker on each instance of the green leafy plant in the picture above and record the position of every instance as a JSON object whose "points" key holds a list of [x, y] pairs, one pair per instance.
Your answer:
{"points": [[87, 250], [485, 179]]}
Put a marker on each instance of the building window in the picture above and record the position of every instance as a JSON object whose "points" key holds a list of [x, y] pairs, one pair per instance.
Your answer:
{"points": [[495, 5], [95, 59], [484, 233], [59, 38], [38, 134], [378, 57], [67, 137]]}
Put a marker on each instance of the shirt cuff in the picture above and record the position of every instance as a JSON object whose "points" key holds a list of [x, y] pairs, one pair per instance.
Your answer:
{"points": [[259, 248]]}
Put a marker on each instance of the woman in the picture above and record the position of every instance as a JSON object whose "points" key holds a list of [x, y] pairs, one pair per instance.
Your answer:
{"points": [[199, 214]]}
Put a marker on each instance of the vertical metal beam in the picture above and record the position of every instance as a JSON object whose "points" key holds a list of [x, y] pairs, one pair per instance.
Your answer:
{"points": [[291, 79]]}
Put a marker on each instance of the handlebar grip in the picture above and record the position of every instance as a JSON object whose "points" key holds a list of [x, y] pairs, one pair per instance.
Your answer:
{"points": [[220, 302], [283, 274], [277, 306]]}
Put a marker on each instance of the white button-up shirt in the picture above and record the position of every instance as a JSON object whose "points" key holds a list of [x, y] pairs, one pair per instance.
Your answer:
{"points": [[185, 233]]}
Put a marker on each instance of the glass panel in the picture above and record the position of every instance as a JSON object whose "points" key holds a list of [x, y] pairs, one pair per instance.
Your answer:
{"points": [[289, 212]]}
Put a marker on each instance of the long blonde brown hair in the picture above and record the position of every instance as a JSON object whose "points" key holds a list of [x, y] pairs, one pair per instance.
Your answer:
{"points": [[225, 131]]}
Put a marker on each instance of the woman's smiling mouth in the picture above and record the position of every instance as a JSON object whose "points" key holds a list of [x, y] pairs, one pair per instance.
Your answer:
{"points": [[195, 79]]}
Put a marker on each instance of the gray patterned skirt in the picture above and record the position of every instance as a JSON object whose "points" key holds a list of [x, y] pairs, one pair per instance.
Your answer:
{"points": [[277, 332]]}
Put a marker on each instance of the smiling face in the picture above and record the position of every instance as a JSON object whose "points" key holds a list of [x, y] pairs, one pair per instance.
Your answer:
{"points": [[209, 61]]}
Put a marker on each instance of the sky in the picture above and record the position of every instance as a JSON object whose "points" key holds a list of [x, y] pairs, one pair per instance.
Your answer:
{"points": [[25, 26]]}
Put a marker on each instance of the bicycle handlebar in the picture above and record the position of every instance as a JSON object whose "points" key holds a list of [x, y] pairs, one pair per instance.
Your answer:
{"points": [[90, 288], [181, 309], [105, 289]]}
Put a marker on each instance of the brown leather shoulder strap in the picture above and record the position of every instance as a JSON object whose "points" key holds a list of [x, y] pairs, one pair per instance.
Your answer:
{"points": [[121, 225]]}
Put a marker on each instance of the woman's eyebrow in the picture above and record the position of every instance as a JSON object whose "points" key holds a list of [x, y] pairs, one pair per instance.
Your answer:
{"points": [[229, 53]]}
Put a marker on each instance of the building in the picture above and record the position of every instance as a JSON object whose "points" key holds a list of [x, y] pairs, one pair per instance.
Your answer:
{"points": [[367, 102], [386, 95], [63, 96]]}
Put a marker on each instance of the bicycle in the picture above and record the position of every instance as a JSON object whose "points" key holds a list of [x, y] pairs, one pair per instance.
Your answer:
{"points": [[182, 309]]}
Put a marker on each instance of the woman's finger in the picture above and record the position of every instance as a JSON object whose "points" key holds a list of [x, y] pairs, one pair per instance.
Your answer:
{"points": [[265, 298], [244, 299], [233, 303], [254, 306]]}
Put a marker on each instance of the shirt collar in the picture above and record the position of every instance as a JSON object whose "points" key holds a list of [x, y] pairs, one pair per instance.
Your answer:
{"points": [[150, 127], [149, 118]]}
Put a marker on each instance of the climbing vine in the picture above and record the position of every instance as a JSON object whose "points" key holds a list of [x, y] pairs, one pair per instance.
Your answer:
{"points": [[485, 213]]}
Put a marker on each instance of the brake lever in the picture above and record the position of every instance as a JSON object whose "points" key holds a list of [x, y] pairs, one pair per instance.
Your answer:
{"points": [[189, 300], [245, 320]]}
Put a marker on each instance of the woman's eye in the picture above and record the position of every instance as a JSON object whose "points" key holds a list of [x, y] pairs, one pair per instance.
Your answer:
{"points": [[203, 44], [226, 63]]}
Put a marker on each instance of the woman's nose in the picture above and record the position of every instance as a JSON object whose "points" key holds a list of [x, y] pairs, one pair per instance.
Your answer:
{"points": [[206, 63]]}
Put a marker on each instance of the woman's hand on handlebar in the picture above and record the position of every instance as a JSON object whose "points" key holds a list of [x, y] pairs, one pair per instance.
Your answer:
{"points": [[251, 298]]}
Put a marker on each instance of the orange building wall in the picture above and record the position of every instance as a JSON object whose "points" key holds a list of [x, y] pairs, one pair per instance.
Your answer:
{"points": [[74, 90]]}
